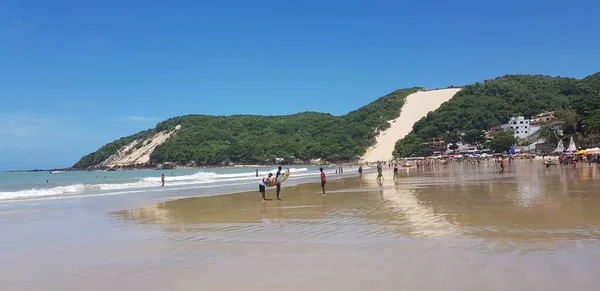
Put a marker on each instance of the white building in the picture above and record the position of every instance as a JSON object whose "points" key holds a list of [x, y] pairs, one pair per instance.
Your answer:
{"points": [[520, 126]]}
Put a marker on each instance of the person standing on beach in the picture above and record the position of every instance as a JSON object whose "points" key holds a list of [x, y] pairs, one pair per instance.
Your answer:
{"points": [[277, 182], [262, 186], [162, 179], [501, 167], [323, 180], [379, 171], [395, 171]]}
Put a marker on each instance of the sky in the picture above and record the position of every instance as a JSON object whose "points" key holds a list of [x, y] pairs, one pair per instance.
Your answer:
{"points": [[75, 75]]}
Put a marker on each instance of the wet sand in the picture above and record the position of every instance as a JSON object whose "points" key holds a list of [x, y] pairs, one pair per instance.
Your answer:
{"points": [[456, 227]]}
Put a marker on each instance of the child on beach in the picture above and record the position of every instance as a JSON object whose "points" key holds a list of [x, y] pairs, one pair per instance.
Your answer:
{"points": [[323, 180]]}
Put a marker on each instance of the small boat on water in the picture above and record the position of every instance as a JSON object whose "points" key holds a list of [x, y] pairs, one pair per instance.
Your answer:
{"points": [[56, 172]]}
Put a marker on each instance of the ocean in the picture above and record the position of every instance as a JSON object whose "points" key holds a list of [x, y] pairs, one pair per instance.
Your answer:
{"points": [[34, 186]]}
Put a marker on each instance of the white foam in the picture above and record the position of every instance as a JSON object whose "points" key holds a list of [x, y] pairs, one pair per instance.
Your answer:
{"points": [[196, 179], [42, 192]]}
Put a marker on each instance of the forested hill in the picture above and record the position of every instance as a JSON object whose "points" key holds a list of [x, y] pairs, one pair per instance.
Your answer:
{"points": [[491, 103], [210, 140]]}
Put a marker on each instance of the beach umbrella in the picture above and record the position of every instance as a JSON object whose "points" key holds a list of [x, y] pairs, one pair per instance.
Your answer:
{"points": [[580, 152], [512, 149], [593, 151]]}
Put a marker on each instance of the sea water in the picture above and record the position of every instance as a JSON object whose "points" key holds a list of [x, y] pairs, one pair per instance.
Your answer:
{"points": [[35, 186]]}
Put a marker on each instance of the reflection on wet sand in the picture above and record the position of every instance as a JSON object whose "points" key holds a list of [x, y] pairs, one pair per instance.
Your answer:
{"points": [[528, 202], [455, 227]]}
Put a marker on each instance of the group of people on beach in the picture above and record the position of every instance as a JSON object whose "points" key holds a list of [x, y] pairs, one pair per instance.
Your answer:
{"points": [[262, 184]]}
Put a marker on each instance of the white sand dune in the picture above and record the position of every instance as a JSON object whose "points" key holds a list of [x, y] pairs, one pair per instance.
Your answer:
{"points": [[416, 106], [129, 155]]}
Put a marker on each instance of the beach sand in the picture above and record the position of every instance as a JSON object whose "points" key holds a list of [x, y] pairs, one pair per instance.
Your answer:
{"points": [[458, 227], [416, 106]]}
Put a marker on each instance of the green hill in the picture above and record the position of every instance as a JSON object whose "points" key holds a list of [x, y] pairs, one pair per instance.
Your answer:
{"points": [[493, 102], [210, 140]]}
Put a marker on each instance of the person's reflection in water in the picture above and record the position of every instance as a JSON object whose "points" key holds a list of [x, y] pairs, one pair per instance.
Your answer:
{"points": [[324, 207], [263, 214], [278, 217]]}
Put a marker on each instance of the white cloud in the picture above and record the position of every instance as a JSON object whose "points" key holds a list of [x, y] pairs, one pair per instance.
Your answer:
{"points": [[140, 118]]}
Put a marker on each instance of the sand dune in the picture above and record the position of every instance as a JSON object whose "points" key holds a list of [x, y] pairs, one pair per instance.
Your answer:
{"points": [[416, 106], [138, 152]]}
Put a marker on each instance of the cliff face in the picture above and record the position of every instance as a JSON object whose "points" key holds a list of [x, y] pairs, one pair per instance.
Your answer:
{"points": [[137, 153]]}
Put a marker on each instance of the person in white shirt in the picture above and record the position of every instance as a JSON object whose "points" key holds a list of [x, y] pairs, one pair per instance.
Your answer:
{"points": [[262, 186]]}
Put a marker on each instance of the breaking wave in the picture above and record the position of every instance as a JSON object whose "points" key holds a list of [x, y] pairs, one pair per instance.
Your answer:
{"points": [[198, 179]]}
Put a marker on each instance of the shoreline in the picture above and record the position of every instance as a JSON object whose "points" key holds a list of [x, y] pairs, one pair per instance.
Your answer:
{"points": [[426, 222], [140, 168]]}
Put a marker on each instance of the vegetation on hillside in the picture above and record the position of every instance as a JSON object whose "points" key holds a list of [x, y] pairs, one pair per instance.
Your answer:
{"points": [[108, 150], [484, 105], [210, 140]]}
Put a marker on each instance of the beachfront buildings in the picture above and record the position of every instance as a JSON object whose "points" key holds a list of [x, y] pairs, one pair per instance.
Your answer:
{"points": [[436, 145], [542, 118], [520, 126]]}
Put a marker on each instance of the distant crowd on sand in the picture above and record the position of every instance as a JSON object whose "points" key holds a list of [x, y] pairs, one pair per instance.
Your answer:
{"points": [[425, 164]]}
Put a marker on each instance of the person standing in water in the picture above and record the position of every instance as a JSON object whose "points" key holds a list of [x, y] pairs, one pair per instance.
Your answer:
{"points": [[162, 179], [395, 171], [501, 167], [323, 180], [379, 171], [360, 171], [256, 172], [277, 182], [262, 186]]}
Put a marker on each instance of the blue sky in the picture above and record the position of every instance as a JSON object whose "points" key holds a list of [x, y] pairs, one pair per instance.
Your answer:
{"points": [[75, 75]]}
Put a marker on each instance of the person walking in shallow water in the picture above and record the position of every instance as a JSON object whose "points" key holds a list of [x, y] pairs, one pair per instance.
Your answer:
{"points": [[379, 172], [501, 167], [323, 180], [162, 179], [277, 182]]}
